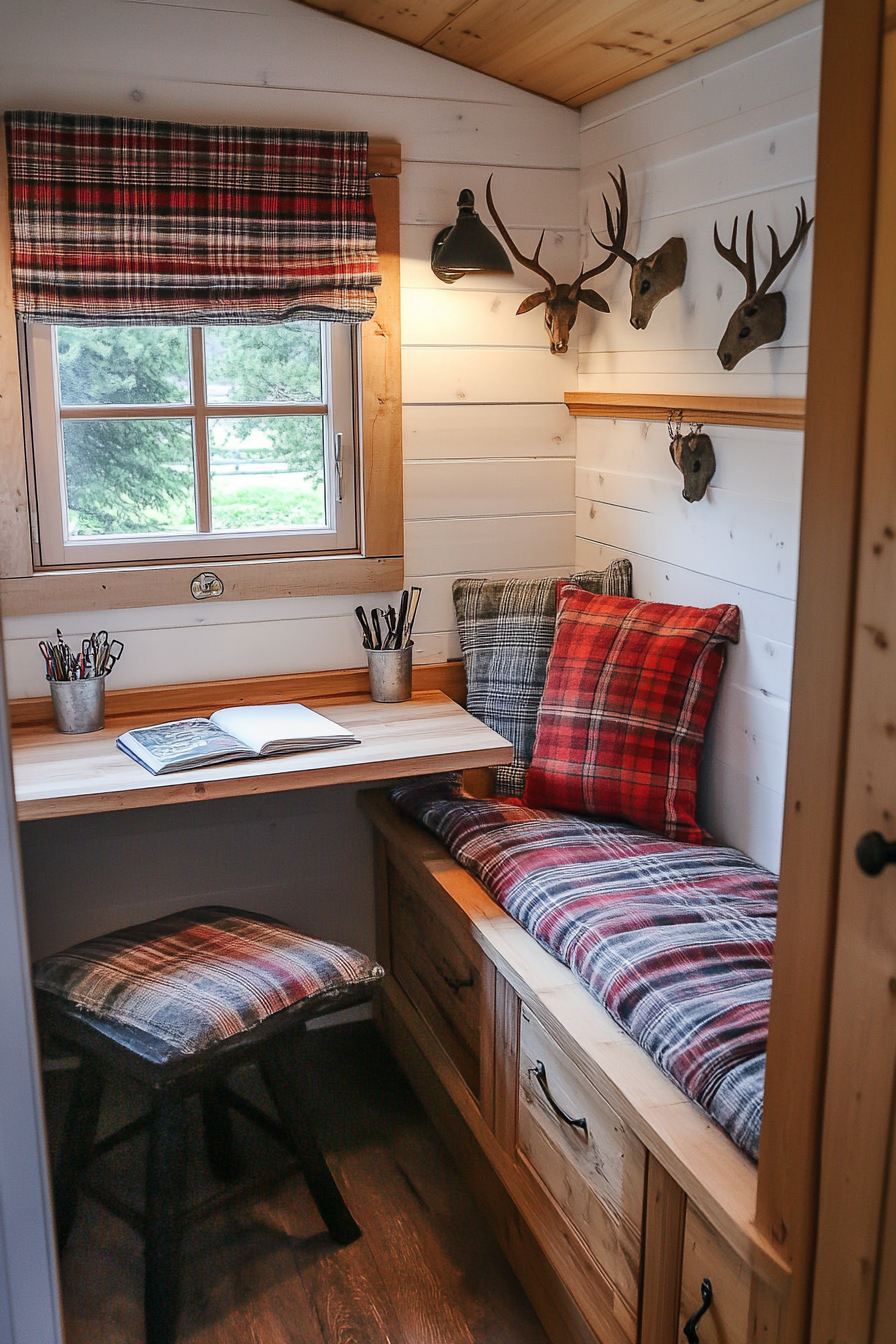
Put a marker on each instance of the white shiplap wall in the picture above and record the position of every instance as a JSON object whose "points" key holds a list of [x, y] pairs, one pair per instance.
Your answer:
{"points": [[728, 131], [489, 445], [490, 449]]}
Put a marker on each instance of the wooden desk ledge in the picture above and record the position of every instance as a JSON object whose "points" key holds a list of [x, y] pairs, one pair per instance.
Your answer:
{"points": [[58, 775]]}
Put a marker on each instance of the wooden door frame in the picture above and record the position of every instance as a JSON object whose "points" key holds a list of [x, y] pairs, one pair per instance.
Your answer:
{"points": [[858, 1110], [789, 1157]]}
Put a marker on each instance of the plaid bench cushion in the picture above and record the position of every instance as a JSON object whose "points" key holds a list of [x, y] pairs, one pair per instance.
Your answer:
{"points": [[675, 940], [200, 976]]}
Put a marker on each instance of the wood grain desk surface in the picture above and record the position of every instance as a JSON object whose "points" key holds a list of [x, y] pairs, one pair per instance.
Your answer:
{"points": [[58, 775]]}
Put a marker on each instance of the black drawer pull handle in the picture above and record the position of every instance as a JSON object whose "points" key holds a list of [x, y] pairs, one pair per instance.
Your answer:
{"points": [[456, 985], [690, 1329], [542, 1079]]}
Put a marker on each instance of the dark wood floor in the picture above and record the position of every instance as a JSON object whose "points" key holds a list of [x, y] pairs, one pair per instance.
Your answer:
{"points": [[427, 1270]]}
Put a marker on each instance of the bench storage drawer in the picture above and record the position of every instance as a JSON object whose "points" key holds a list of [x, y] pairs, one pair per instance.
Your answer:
{"points": [[439, 967], [707, 1256], [590, 1163]]}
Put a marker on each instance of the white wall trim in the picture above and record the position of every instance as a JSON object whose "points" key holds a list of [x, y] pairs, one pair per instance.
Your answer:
{"points": [[28, 1273]]}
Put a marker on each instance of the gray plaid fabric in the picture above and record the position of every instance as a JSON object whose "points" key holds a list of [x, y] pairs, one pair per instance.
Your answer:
{"points": [[190, 980], [506, 629]]}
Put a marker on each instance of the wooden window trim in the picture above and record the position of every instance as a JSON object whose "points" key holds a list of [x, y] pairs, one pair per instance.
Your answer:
{"points": [[27, 589]]}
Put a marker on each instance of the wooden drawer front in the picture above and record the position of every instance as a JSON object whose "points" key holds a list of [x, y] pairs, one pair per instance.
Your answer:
{"points": [[706, 1256], [438, 965], [594, 1174]]}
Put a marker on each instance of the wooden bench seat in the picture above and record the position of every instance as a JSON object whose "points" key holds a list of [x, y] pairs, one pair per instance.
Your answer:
{"points": [[631, 1209]]}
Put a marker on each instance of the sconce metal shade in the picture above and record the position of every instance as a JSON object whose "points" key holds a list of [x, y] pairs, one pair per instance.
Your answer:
{"points": [[467, 246]]}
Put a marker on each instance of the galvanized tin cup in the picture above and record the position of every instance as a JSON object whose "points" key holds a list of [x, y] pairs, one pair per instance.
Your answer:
{"points": [[79, 706], [390, 674]]}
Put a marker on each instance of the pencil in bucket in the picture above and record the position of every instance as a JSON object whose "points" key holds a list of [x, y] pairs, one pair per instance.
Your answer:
{"points": [[390, 649], [78, 680]]}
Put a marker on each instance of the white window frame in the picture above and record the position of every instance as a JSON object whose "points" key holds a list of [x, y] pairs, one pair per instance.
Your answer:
{"points": [[338, 411]]}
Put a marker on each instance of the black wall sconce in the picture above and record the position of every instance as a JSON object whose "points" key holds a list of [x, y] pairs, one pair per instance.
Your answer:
{"points": [[467, 246]]}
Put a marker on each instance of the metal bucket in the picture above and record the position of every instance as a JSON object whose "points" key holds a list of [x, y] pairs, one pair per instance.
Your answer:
{"points": [[390, 674], [79, 706]]}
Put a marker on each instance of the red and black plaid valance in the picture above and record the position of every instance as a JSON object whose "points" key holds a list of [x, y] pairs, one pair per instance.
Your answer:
{"points": [[131, 222]]}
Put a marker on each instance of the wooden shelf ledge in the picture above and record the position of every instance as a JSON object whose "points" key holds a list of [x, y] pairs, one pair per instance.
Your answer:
{"points": [[204, 697], [760, 412]]}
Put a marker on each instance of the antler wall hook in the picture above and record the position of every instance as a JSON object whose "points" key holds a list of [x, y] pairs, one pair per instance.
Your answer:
{"points": [[652, 277], [561, 301], [693, 455], [762, 316]]}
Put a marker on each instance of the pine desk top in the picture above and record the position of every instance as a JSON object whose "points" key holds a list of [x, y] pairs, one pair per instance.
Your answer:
{"points": [[57, 775]]}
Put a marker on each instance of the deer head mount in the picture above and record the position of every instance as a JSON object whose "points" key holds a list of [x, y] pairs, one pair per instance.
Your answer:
{"points": [[695, 458], [762, 316], [561, 301], [652, 277]]}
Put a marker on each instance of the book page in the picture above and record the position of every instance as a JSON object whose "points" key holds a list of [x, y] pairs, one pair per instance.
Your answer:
{"points": [[181, 743], [267, 726]]}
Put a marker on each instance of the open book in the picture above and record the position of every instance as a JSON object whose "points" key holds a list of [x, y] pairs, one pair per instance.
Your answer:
{"points": [[232, 735]]}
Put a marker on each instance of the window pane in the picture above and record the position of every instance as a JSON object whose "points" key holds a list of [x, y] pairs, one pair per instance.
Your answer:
{"points": [[267, 471], [123, 366], [257, 364], [128, 477]]}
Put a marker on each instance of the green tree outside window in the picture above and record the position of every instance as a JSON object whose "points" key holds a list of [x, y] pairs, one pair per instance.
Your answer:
{"points": [[131, 476]]}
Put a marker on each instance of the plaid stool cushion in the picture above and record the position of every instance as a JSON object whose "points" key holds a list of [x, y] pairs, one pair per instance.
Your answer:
{"points": [[198, 977]]}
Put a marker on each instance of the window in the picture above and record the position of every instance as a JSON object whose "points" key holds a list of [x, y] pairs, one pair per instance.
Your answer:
{"points": [[31, 583], [160, 443]]}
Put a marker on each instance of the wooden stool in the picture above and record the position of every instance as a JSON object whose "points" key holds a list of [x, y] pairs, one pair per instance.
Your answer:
{"points": [[177, 1004]]}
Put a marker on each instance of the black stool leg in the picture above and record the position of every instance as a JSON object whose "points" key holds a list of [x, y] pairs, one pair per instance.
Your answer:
{"points": [[218, 1124], [165, 1172], [280, 1064], [77, 1146]]}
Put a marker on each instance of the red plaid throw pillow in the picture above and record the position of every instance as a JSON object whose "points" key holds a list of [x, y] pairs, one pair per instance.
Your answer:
{"points": [[629, 689]]}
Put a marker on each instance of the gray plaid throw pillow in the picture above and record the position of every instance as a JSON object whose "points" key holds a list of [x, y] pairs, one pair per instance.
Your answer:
{"points": [[506, 629]]}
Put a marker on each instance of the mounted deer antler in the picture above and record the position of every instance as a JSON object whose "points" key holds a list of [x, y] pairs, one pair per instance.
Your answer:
{"points": [[652, 277], [762, 316], [561, 301]]}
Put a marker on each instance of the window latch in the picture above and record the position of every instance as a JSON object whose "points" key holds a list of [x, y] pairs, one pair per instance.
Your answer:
{"points": [[337, 456]]}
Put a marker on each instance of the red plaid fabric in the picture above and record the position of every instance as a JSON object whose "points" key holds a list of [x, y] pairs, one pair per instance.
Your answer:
{"points": [[629, 689], [125, 222], [506, 631], [192, 979]]}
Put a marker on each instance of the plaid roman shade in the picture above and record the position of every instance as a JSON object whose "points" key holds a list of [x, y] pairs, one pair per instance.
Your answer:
{"points": [[123, 222]]}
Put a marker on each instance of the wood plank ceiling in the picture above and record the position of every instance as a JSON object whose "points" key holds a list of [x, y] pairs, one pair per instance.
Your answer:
{"points": [[568, 50]]}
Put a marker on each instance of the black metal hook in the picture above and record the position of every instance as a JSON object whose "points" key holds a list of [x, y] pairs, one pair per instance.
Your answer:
{"points": [[690, 1329]]}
